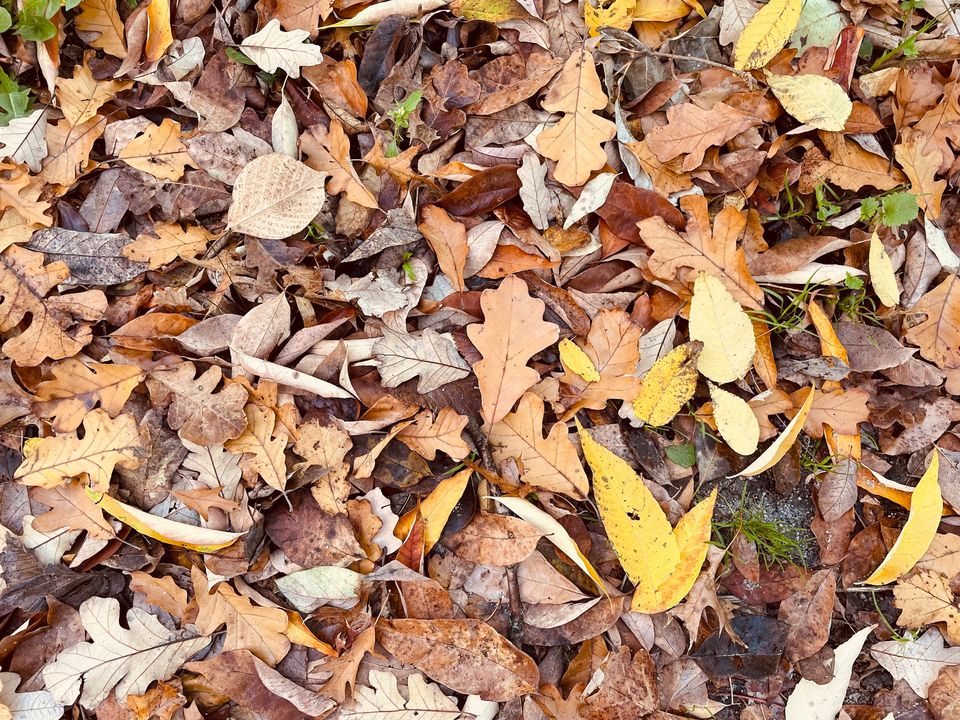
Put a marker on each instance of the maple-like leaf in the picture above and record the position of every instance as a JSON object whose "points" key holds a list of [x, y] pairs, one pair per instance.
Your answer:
{"points": [[549, 463], [263, 448], [118, 659], [274, 49], [513, 331], [202, 416], [329, 151], [576, 142], [926, 598], [105, 444], [168, 242], [430, 356], [69, 149], [79, 387], [691, 131], [427, 436], [344, 668], [918, 661], [83, 95], [383, 701], [715, 252]]}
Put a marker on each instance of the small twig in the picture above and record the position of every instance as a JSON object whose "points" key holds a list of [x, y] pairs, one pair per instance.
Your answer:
{"points": [[690, 58]]}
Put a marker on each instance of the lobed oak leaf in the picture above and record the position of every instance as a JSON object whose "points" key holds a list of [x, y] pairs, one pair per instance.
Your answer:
{"points": [[168, 242], [329, 152], [263, 447], [71, 507], [162, 592], [100, 26], [79, 387], [21, 192], [200, 414], [35, 705], [274, 49], [383, 701], [106, 443], [83, 95], [426, 436], [925, 598], [158, 150], [918, 661], [692, 130], [921, 163]]}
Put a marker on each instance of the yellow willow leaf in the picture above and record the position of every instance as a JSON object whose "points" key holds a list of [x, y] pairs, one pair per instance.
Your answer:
{"points": [[926, 507], [830, 345], [636, 525], [298, 633], [813, 100], [735, 420], [576, 142], [766, 34], [618, 14], [159, 528], [718, 321], [554, 532], [668, 385], [577, 361], [435, 509], [693, 538], [882, 277], [778, 448]]}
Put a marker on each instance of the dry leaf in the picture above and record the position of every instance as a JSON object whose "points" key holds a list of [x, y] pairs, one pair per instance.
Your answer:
{"points": [[274, 49], [448, 240], [813, 100], [735, 420], [202, 416], [431, 357], [668, 385], [766, 33], [329, 152], [101, 20], [263, 447], [691, 131], [428, 436], [79, 387], [159, 150], [718, 321]]}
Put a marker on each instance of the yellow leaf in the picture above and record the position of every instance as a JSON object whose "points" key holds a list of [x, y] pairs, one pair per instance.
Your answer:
{"points": [[636, 525], [618, 14], [882, 277], [554, 532], [577, 361], [576, 142], [435, 509], [692, 534], [664, 10], [778, 448], [159, 32], [813, 100], [81, 96], [101, 17], [298, 633], [766, 34], [158, 151], [725, 330], [105, 444], [735, 420], [159, 528], [926, 507], [489, 10], [668, 385]]}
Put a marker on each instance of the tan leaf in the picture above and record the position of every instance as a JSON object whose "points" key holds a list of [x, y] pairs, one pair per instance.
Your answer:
{"points": [[169, 242], [667, 177], [431, 357], [926, 598], [383, 699], [842, 410], [249, 627], [101, 19], [428, 436], [69, 148], [83, 95], [691, 130], [158, 151], [106, 443], [513, 331], [576, 142], [938, 335], [329, 151], [70, 507], [79, 387], [322, 446], [848, 165], [468, 656], [714, 252], [549, 463], [496, 540], [344, 668], [398, 166], [921, 162], [161, 592], [201, 415], [21, 192], [275, 196], [264, 448], [448, 240], [613, 347], [59, 326]]}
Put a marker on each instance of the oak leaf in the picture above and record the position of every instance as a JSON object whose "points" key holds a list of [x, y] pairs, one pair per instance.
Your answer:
{"points": [[925, 598], [162, 592], [264, 448], [715, 251], [513, 331], [345, 667], [101, 20], [116, 659], [576, 142], [158, 150], [848, 165], [427, 436], [200, 414], [69, 149], [431, 357], [70, 507], [329, 151], [941, 125], [21, 192], [921, 163], [83, 95], [938, 335], [168, 242], [549, 463], [35, 705], [383, 701], [691, 130], [105, 444], [79, 387]]}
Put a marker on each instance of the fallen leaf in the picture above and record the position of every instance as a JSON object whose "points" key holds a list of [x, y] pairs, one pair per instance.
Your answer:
{"points": [[79, 387], [427, 435], [328, 151], [765, 34], [690, 131], [495, 540], [668, 385], [779, 447], [435, 509], [159, 150], [813, 100], [925, 598], [718, 321], [735, 420], [274, 49], [917, 661], [431, 357], [36, 705], [168, 242], [101, 20], [382, 699], [882, 277], [200, 414], [448, 240], [263, 446]]}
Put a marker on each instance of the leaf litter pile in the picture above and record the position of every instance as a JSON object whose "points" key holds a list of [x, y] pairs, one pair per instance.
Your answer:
{"points": [[521, 359]]}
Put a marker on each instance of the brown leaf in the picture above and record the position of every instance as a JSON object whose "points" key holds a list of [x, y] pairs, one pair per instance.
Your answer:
{"points": [[807, 613], [838, 489], [70, 507], [849, 166], [468, 656], [162, 592], [628, 688], [483, 192], [448, 240], [310, 536], [79, 387], [428, 436], [843, 410], [691, 130], [926, 598], [200, 414], [329, 151], [627, 204], [495, 540]]}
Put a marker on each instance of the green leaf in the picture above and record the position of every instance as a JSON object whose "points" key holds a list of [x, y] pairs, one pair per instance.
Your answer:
{"points": [[683, 455], [898, 209], [852, 282], [869, 209], [34, 27], [15, 101], [239, 57], [5, 20]]}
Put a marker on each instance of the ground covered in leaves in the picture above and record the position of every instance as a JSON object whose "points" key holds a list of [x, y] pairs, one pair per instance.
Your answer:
{"points": [[487, 359]]}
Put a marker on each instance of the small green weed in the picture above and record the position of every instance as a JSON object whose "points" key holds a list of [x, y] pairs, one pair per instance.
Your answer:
{"points": [[33, 19], [787, 310], [399, 117], [856, 304], [775, 546], [893, 209], [15, 101]]}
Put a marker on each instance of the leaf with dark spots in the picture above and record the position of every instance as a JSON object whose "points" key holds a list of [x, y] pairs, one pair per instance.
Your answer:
{"points": [[311, 537], [93, 258], [626, 205], [483, 192], [764, 640]]}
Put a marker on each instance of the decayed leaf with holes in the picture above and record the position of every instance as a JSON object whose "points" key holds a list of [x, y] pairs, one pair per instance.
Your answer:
{"points": [[274, 49], [735, 420], [168, 242], [106, 443], [59, 326], [925, 598], [700, 249], [813, 100], [662, 561], [275, 196], [513, 331], [158, 151], [926, 506], [576, 142], [200, 414], [882, 277], [725, 330], [83, 95], [329, 151], [549, 463], [613, 349], [78, 387], [99, 24], [431, 357], [766, 33], [125, 661], [264, 449], [668, 385], [427, 435]]}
